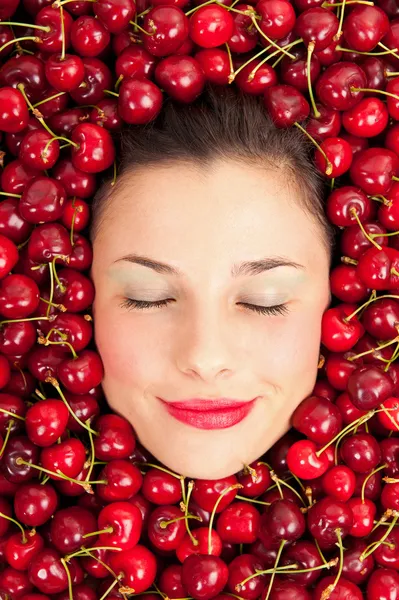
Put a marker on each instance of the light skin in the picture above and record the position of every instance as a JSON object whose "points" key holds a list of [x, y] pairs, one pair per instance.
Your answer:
{"points": [[205, 343]]}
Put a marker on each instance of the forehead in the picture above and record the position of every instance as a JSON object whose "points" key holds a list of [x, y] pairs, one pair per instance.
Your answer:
{"points": [[227, 204]]}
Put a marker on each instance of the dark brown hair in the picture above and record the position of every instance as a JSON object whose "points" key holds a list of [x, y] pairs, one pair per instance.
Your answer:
{"points": [[222, 123]]}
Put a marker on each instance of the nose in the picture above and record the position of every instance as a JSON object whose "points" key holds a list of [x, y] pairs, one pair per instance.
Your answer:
{"points": [[205, 346]]}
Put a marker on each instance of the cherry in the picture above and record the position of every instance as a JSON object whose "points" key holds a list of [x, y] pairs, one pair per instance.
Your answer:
{"points": [[14, 115], [306, 556], [35, 503], [68, 457], [318, 26], [69, 526], [343, 589], [337, 332], [167, 28], [75, 182], [318, 419], [76, 214], [255, 479], [206, 492], [369, 386], [382, 584], [170, 581], [282, 520], [19, 296], [89, 36], [137, 567], [135, 61], [115, 438], [380, 318], [20, 549], [94, 151], [140, 101], [329, 55], [162, 488], [15, 176], [181, 77], [334, 86], [373, 169], [239, 523], [42, 200], [339, 157], [363, 511], [166, 529], [47, 573], [12, 225], [115, 14], [204, 576], [325, 517], [386, 555], [388, 213], [215, 64], [64, 122], [52, 40], [240, 568], [360, 452], [210, 26], [286, 105], [84, 406], [105, 114], [327, 125], [14, 584], [8, 9], [79, 375], [124, 480], [364, 27], [64, 73], [39, 150], [277, 18], [244, 37], [389, 454], [27, 70], [255, 83], [97, 78], [201, 538], [367, 119], [346, 285], [375, 72], [46, 421], [303, 461]]}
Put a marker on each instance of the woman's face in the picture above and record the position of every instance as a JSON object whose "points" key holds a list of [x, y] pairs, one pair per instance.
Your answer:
{"points": [[204, 226]]}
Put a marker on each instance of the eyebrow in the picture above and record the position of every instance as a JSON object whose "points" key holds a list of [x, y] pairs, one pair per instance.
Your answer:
{"points": [[251, 267]]}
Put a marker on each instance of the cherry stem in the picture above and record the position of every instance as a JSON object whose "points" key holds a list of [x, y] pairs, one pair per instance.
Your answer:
{"points": [[347, 430], [353, 212], [231, 66], [24, 540], [92, 458], [55, 383], [113, 584], [65, 259], [48, 100], [83, 550], [341, 49], [390, 50], [372, 547], [111, 92], [253, 500], [70, 590], [9, 427], [10, 195], [368, 477], [279, 48], [374, 91], [164, 524], [62, 33], [371, 299], [229, 489], [311, 46], [333, 4], [136, 25], [58, 473], [46, 28], [58, 4], [330, 588], [60, 307], [117, 84], [22, 320], [13, 415], [47, 342], [329, 166], [106, 530], [387, 514], [277, 480], [35, 39], [51, 291], [186, 501], [57, 137]]}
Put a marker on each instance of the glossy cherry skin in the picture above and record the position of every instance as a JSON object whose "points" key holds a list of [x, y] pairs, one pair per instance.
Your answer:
{"points": [[116, 438], [25, 69], [339, 154], [303, 461], [364, 27], [325, 517], [18, 553], [75, 182], [181, 77], [286, 105], [367, 119], [15, 176], [115, 14], [14, 115], [46, 421], [68, 527], [34, 503], [124, 481], [64, 74], [47, 573], [168, 26], [52, 40], [369, 386], [373, 169], [68, 457], [343, 589], [98, 77], [240, 568], [277, 18], [140, 101], [256, 82], [89, 37], [79, 375], [95, 151], [42, 200], [360, 452], [141, 570], [317, 25], [334, 85], [382, 584], [244, 38], [211, 26]]}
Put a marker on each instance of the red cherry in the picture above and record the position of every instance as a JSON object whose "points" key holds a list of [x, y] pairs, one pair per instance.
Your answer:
{"points": [[68, 457], [303, 461], [137, 567], [95, 151], [369, 386], [204, 576], [14, 114], [115, 14], [19, 552], [115, 438], [89, 37], [135, 62], [211, 26], [364, 27], [140, 101], [337, 333], [373, 169], [181, 77], [334, 86], [367, 119], [338, 152], [215, 64], [42, 200], [64, 73], [167, 27], [317, 25], [35, 503], [286, 105], [75, 182], [277, 18], [79, 375]]}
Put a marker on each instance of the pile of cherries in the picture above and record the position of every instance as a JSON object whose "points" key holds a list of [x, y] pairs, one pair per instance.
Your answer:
{"points": [[86, 513]]}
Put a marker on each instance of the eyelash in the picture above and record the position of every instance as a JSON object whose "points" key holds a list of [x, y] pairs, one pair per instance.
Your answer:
{"points": [[279, 309]]}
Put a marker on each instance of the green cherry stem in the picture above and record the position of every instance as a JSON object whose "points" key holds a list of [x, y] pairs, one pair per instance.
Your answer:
{"points": [[212, 517], [24, 540], [311, 46], [190, 487], [9, 427]]}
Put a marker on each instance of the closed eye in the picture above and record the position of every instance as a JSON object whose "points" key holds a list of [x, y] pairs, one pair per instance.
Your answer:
{"points": [[131, 303]]}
